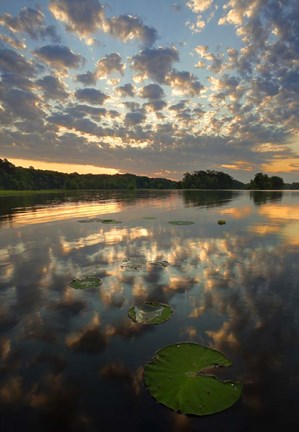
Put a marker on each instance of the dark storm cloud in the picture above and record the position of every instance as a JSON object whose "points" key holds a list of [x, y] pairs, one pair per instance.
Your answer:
{"points": [[91, 95], [30, 21], [59, 57], [52, 87]]}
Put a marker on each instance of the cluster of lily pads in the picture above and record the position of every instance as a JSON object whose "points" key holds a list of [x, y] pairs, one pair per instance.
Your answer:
{"points": [[104, 221], [176, 376]]}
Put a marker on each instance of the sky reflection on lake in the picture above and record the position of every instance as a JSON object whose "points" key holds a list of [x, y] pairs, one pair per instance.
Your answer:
{"points": [[74, 359]]}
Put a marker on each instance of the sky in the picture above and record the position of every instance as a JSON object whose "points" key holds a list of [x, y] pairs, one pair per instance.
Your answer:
{"points": [[151, 87]]}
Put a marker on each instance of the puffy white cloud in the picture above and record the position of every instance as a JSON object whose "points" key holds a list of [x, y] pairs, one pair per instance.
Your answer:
{"points": [[198, 6], [127, 27]]}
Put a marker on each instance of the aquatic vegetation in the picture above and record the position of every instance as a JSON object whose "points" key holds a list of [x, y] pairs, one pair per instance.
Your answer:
{"points": [[86, 282], [89, 220], [176, 377], [221, 222], [159, 263], [151, 313], [180, 222], [133, 263], [110, 221]]}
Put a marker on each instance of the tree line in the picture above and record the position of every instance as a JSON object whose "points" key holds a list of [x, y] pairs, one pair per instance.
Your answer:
{"points": [[19, 178]]}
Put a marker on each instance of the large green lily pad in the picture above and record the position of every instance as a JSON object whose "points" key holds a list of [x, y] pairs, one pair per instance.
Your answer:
{"points": [[150, 313], [180, 222], [86, 282], [175, 377]]}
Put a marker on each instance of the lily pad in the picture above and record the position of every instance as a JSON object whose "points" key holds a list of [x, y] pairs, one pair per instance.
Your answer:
{"points": [[180, 222], [151, 313], [110, 221], [85, 283], [175, 377], [221, 222]]}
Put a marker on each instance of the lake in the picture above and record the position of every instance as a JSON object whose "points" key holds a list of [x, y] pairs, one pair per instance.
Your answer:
{"points": [[73, 360]]}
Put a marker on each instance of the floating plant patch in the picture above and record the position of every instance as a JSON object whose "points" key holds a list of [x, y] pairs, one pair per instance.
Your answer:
{"points": [[110, 221], [175, 377], [180, 222], [87, 282], [159, 263], [89, 220], [221, 222], [150, 313], [133, 263]]}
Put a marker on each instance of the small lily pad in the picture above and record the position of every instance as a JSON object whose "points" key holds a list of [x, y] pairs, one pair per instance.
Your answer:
{"points": [[180, 222], [110, 221], [151, 313], [221, 222], [85, 283], [175, 377]]}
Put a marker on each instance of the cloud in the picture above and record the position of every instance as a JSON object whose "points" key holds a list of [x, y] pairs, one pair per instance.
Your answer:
{"points": [[21, 103], [87, 78], [198, 6], [85, 17], [108, 64], [91, 95], [15, 43], [184, 83], [59, 57], [127, 27], [126, 90], [52, 87], [155, 63], [135, 118], [155, 105], [30, 21], [80, 16], [11, 62], [152, 91]]}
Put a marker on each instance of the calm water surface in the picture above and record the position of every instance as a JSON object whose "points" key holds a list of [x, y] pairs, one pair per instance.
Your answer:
{"points": [[72, 360]]}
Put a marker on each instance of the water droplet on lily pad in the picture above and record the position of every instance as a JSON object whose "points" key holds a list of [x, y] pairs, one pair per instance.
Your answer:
{"points": [[86, 282], [150, 313], [180, 222], [189, 390]]}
